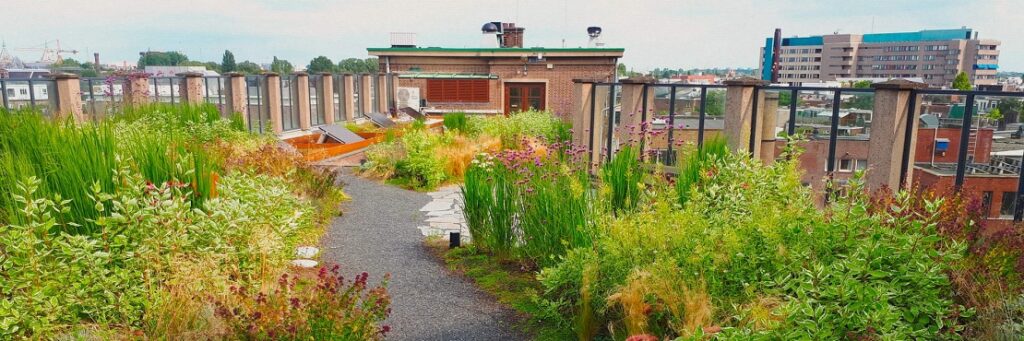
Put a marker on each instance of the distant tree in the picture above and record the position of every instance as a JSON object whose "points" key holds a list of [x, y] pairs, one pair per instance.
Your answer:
{"points": [[320, 64], [68, 63], [862, 84], [352, 65], [213, 66], [716, 103], [227, 63], [249, 68], [157, 58], [281, 66], [1011, 109], [372, 65], [962, 82]]}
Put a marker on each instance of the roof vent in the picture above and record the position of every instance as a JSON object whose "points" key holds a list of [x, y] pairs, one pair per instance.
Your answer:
{"points": [[595, 36], [403, 39]]}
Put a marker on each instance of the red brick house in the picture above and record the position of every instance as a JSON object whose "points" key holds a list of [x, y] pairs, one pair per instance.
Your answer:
{"points": [[495, 80]]}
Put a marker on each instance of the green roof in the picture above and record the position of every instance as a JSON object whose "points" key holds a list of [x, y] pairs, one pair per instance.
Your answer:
{"points": [[492, 50]]}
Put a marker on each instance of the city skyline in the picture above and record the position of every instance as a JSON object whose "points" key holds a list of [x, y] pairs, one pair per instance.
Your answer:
{"points": [[655, 34]]}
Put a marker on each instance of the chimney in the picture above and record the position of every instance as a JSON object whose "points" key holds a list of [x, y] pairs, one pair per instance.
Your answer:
{"points": [[96, 61], [511, 36], [776, 49]]}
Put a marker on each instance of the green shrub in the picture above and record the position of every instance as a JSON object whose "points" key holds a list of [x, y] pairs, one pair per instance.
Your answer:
{"points": [[696, 164], [528, 124], [750, 257]]}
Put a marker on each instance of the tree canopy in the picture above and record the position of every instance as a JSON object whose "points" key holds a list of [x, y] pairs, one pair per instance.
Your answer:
{"points": [[157, 58], [962, 82], [356, 65], [321, 64], [227, 63], [249, 68], [281, 66]]}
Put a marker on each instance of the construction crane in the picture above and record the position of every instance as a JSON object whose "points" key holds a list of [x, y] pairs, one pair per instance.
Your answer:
{"points": [[50, 55]]}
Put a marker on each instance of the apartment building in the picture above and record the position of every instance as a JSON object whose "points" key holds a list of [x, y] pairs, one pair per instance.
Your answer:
{"points": [[936, 56]]}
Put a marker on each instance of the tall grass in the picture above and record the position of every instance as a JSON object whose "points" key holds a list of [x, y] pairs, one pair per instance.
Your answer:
{"points": [[528, 207], [455, 121], [695, 164], [623, 177], [71, 159]]}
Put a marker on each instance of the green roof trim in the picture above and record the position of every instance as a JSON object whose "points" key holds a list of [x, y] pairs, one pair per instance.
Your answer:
{"points": [[439, 75], [492, 50]]}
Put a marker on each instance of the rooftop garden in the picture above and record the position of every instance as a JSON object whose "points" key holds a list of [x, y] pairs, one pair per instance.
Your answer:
{"points": [[728, 248], [167, 222]]}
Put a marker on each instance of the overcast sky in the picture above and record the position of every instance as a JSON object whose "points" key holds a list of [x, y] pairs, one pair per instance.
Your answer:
{"points": [[674, 34]]}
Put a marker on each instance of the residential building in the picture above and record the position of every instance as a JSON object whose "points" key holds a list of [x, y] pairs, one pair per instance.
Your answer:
{"points": [[936, 56], [500, 77]]}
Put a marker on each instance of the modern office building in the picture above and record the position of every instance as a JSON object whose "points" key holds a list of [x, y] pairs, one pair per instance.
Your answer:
{"points": [[936, 56]]}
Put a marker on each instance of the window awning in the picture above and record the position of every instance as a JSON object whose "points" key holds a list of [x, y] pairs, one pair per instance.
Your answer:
{"points": [[442, 75]]}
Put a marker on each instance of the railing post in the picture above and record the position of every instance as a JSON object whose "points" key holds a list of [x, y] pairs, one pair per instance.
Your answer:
{"points": [[136, 89], [301, 100], [348, 97], [272, 101], [325, 96], [632, 104], [190, 90], [768, 119], [739, 110], [67, 97], [236, 93], [891, 131], [365, 91], [580, 119], [382, 94]]}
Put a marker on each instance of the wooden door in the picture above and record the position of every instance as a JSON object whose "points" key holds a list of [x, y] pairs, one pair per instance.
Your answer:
{"points": [[524, 97]]}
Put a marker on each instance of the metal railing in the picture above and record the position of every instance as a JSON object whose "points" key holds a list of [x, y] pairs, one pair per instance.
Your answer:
{"points": [[27, 92], [833, 117]]}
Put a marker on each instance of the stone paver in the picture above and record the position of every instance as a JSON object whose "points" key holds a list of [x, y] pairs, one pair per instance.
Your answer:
{"points": [[444, 214]]}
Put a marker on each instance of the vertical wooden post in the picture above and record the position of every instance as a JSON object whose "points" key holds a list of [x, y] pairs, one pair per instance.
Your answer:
{"points": [[325, 96], [301, 99], [272, 101]]}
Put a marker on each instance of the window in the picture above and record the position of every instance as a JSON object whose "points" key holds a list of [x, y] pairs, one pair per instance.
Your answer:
{"points": [[846, 165], [1006, 207], [23, 91], [862, 164], [929, 67], [458, 90], [986, 202], [10, 92], [929, 57]]}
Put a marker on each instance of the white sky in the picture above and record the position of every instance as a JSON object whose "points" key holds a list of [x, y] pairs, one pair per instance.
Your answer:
{"points": [[655, 33]]}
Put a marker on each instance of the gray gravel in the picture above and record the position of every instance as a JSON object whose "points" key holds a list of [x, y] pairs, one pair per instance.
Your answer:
{"points": [[378, 234]]}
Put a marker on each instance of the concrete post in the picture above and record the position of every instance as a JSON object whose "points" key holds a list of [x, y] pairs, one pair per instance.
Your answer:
{"points": [[889, 130], [272, 101], [739, 110], [301, 99], [767, 117], [348, 97], [599, 133], [365, 89], [236, 93], [68, 96], [580, 118], [136, 89], [325, 96], [382, 94], [191, 87], [632, 104]]}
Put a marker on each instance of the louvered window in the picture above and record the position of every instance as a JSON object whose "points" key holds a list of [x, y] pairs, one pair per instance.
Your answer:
{"points": [[458, 90]]}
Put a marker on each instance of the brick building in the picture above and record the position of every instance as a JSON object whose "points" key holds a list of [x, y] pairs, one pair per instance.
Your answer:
{"points": [[500, 79]]}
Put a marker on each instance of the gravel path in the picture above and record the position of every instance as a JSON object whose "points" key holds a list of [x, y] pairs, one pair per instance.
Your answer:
{"points": [[378, 234]]}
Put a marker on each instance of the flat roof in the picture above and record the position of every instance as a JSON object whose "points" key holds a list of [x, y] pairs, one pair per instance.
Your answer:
{"points": [[889, 37], [497, 52]]}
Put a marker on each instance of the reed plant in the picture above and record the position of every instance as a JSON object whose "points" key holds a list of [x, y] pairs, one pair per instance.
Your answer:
{"points": [[456, 122], [696, 163], [623, 177]]}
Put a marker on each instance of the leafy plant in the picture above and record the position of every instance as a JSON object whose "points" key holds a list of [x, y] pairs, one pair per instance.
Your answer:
{"points": [[456, 122]]}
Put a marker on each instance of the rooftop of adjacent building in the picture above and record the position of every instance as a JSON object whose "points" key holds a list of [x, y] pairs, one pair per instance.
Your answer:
{"points": [[497, 51], [889, 37]]}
